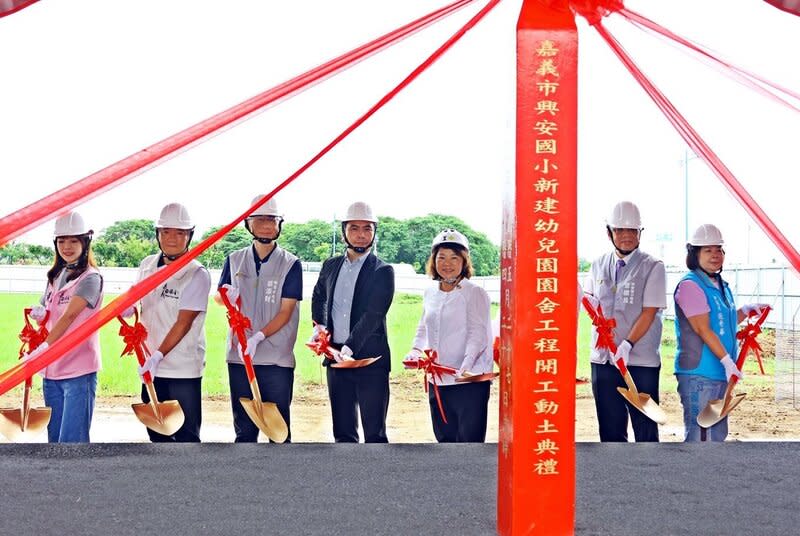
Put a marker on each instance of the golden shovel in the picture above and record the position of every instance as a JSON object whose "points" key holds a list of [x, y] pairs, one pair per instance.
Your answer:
{"points": [[25, 423], [166, 417], [265, 415], [641, 401], [716, 410]]}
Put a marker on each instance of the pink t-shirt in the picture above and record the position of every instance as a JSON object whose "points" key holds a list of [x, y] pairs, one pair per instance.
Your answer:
{"points": [[691, 299]]}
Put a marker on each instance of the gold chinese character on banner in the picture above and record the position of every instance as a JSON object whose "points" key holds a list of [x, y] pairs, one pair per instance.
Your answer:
{"points": [[547, 306], [544, 345], [547, 245], [545, 407], [544, 167], [547, 265], [546, 427], [546, 366], [544, 186], [545, 127], [547, 325], [546, 205], [547, 49], [547, 87], [547, 106], [547, 68], [546, 445], [546, 226], [546, 467], [547, 285], [547, 146], [545, 387]]}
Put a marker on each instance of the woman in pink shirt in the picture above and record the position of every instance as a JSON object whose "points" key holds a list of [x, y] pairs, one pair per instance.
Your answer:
{"points": [[74, 292]]}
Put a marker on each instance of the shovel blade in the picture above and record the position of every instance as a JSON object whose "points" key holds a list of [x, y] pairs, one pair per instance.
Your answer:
{"points": [[716, 410], [266, 416], [16, 428], [166, 418], [644, 403]]}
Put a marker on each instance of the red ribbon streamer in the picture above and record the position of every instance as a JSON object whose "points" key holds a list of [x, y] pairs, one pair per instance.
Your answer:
{"points": [[25, 370], [12, 6], [433, 371], [702, 149], [25, 219], [739, 74], [748, 334], [239, 324], [134, 337]]}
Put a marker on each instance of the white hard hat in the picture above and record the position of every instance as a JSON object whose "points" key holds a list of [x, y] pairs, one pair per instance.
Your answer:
{"points": [[174, 216], [270, 208], [359, 211], [624, 215], [706, 235], [450, 236], [71, 224]]}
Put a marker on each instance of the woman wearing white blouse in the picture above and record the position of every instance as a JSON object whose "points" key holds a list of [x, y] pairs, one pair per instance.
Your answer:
{"points": [[456, 324]]}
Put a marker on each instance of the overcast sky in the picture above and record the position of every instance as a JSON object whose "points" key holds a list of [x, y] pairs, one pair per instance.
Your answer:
{"points": [[88, 82]]}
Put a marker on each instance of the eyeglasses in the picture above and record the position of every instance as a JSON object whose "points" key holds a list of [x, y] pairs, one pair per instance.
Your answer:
{"points": [[622, 230], [264, 219]]}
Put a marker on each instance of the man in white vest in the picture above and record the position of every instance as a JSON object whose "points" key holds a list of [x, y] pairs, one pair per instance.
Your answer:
{"points": [[174, 315], [269, 280], [631, 287]]}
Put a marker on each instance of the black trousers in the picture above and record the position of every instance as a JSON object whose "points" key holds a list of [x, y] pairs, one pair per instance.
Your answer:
{"points": [[613, 410], [187, 392], [276, 385], [466, 407], [362, 389]]}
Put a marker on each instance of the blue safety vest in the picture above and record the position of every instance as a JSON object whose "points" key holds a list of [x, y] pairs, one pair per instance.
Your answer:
{"points": [[722, 320]]}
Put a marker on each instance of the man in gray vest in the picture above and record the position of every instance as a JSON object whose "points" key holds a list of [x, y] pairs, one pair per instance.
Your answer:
{"points": [[631, 287], [269, 281]]}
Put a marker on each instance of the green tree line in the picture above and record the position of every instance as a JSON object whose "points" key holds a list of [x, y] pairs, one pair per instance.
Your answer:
{"points": [[127, 242]]}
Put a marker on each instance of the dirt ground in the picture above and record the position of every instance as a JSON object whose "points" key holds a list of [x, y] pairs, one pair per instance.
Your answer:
{"points": [[758, 418]]}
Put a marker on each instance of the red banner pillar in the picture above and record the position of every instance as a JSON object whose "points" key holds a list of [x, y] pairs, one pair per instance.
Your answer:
{"points": [[536, 455]]}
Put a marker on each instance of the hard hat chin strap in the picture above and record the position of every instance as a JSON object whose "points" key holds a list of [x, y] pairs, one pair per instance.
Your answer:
{"points": [[359, 249], [264, 240], [622, 252], [173, 257]]}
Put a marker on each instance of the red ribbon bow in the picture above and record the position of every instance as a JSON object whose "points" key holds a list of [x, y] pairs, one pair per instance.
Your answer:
{"points": [[237, 320], [604, 326], [322, 346], [433, 371], [30, 336], [134, 337], [748, 334]]}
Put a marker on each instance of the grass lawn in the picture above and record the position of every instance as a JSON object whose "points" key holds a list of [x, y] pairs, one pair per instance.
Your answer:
{"points": [[119, 377]]}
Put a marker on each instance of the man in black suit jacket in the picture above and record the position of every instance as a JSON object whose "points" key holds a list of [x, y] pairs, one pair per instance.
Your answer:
{"points": [[351, 299]]}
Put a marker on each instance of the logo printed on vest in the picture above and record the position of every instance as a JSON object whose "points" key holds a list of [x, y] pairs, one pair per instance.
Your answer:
{"points": [[62, 299], [271, 291], [171, 293]]}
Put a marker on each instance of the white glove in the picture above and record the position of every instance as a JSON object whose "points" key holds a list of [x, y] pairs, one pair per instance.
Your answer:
{"points": [[623, 352], [414, 355], [318, 328], [753, 308], [38, 313], [346, 354], [151, 364], [594, 302], [252, 343], [730, 368], [232, 292], [129, 312], [39, 349]]}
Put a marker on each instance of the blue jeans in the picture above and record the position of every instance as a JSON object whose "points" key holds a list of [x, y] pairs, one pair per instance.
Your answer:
{"points": [[72, 404], [696, 392]]}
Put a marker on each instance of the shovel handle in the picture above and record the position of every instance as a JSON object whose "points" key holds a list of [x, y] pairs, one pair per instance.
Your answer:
{"points": [[621, 366]]}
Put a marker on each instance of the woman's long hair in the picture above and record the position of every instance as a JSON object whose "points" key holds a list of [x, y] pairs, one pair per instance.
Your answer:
{"points": [[84, 261]]}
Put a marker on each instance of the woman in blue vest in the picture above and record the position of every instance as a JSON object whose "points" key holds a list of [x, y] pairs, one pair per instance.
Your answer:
{"points": [[705, 324]]}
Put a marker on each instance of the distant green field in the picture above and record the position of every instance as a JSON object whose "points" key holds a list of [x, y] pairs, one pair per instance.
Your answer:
{"points": [[119, 377]]}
